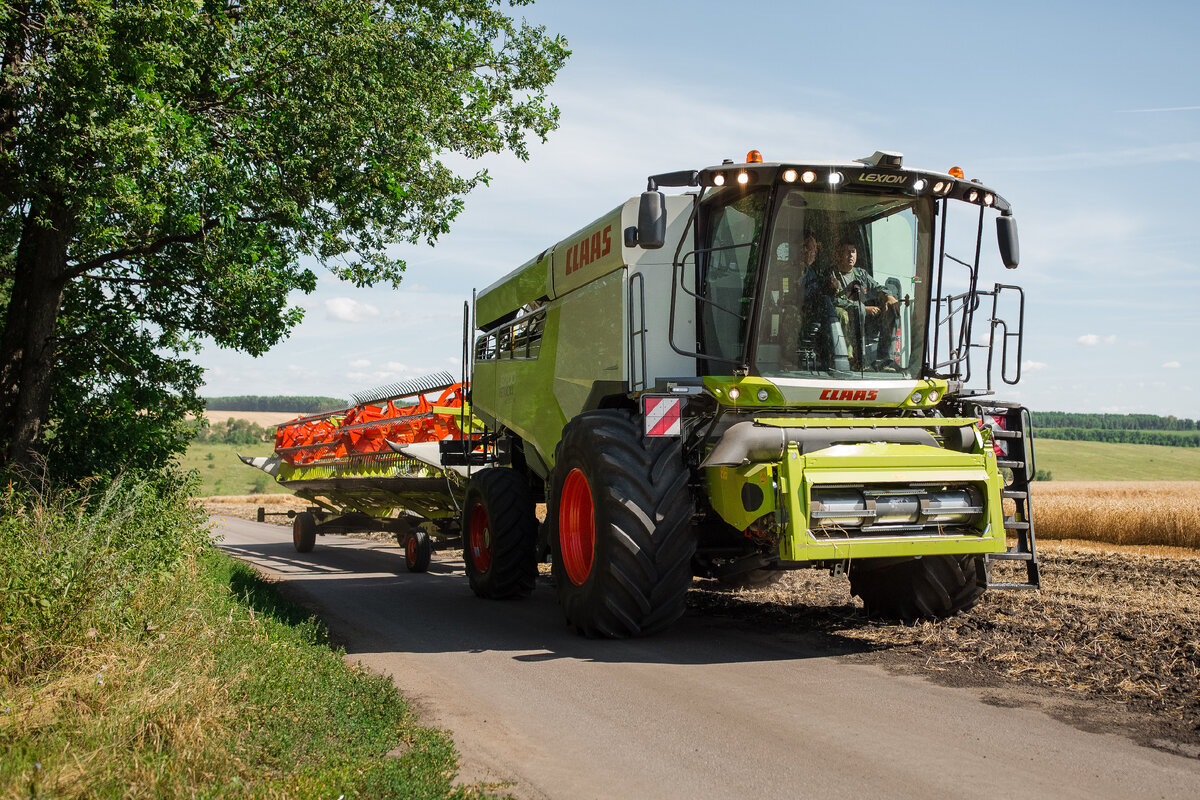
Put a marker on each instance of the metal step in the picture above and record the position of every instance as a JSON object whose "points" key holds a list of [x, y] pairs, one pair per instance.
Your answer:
{"points": [[1013, 465], [1013, 525], [1011, 555], [1010, 585], [1014, 494]]}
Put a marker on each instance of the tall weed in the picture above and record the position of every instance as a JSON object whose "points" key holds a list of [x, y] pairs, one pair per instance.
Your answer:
{"points": [[74, 561]]}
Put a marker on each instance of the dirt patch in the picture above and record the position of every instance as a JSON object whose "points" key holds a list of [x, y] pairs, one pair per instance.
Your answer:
{"points": [[1112, 642]]}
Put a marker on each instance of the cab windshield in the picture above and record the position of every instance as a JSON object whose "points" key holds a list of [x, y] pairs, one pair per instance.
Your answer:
{"points": [[817, 284]]}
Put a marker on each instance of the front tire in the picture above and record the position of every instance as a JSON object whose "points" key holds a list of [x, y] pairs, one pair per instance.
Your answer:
{"points": [[499, 535], [620, 513], [931, 587], [304, 532]]}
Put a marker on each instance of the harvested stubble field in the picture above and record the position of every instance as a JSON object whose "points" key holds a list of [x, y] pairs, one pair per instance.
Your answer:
{"points": [[1111, 642]]}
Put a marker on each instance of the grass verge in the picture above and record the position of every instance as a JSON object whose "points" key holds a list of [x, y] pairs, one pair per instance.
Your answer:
{"points": [[137, 661]]}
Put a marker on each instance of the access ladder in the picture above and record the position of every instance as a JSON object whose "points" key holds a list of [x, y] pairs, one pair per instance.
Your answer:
{"points": [[1012, 432]]}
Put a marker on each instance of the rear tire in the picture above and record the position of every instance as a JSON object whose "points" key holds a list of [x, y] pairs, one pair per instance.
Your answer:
{"points": [[304, 532], [620, 512], [932, 587], [499, 535], [418, 551]]}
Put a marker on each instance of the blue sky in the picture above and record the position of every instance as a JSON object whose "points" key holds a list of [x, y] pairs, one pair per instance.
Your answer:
{"points": [[1085, 116]]}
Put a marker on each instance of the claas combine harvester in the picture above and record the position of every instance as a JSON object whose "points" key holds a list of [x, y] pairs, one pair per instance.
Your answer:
{"points": [[770, 370]]}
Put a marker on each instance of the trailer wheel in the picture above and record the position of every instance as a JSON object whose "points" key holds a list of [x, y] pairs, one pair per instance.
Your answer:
{"points": [[304, 532], [620, 513], [418, 551], [932, 587], [499, 535]]}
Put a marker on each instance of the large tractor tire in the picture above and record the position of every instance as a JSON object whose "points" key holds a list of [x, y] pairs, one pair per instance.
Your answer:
{"points": [[620, 513], [499, 535], [304, 532], [932, 587]]}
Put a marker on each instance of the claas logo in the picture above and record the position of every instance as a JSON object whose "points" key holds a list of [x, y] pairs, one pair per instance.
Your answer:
{"points": [[589, 249], [849, 394]]}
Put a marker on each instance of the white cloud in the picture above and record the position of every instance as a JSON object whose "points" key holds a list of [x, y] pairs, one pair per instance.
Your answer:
{"points": [[1091, 339], [360, 363], [1172, 365], [1034, 366], [344, 309]]}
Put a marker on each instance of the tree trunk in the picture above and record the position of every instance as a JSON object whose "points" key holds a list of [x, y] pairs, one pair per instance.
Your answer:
{"points": [[28, 347]]}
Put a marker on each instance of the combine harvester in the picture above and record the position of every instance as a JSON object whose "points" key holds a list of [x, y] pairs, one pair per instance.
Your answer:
{"points": [[771, 370]]}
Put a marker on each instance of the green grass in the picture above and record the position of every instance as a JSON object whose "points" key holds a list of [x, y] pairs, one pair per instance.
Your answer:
{"points": [[137, 661], [221, 473], [1101, 461]]}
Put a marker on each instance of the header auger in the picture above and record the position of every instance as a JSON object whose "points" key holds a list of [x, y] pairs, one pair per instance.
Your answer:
{"points": [[771, 370]]}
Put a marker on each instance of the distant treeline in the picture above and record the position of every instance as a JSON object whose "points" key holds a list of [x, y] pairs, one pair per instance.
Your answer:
{"points": [[1043, 420], [233, 431], [1169, 438], [286, 403], [1120, 428]]}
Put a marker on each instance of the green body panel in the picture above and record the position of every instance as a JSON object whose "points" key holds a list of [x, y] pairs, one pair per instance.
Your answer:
{"points": [[590, 348], [725, 487], [592, 251], [528, 283], [535, 397], [515, 392], [787, 487]]}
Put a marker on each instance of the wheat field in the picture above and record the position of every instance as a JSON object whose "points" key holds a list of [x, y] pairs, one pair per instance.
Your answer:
{"points": [[1127, 513]]}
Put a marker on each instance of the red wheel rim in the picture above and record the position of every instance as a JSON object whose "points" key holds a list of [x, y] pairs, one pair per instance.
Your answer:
{"points": [[481, 539], [410, 549], [577, 527]]}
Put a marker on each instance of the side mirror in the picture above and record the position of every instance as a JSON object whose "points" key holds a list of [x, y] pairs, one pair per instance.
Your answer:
{"points": [[1006, 236], [652, 221]]}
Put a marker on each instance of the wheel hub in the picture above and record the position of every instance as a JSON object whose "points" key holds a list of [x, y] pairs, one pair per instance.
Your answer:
{"points": [[577, 527], [481, 538]]}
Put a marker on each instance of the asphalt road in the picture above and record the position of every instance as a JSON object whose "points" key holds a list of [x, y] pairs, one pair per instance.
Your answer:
{"points": [[710, 709]]}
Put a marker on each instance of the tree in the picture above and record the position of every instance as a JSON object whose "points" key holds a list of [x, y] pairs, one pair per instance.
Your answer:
{"points": [[165, 166]]}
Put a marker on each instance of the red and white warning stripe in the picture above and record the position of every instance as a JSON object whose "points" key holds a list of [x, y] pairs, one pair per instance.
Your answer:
{"points": [[662, 415]]}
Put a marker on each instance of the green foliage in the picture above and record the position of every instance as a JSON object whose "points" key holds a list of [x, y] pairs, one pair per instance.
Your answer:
{"points": [[168, 170], [167, 670], [284, 403], [73, 563], [234, 431], [1043, 475]]}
